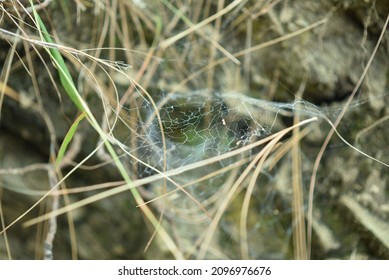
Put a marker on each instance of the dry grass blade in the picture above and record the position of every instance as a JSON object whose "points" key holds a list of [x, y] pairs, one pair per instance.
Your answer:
{"points": [[209, 39], [258, 162], [333, 130], [261, 46], [168, 42], [298, 212], [226, 200]]}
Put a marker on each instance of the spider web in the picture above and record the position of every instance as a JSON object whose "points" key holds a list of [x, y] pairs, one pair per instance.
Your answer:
{"points": [[190, 128], [209, 124]]}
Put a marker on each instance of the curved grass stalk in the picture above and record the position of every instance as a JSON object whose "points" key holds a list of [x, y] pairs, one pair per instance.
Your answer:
{"points": [[227, 199], [76, 98], [259, 161], [334, 130]]}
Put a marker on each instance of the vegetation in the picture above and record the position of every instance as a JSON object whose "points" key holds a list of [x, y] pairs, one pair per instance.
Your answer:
{"points": [[193, 129]]}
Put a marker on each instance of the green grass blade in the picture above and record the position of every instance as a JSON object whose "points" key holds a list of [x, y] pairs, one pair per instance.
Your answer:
{"points": [[68, 138], [64, 74], [72, 92]]}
